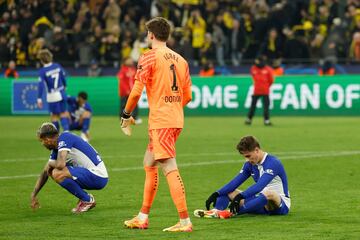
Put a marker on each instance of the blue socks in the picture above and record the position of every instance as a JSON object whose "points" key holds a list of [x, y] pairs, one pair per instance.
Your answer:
{"points": [[56, 123], [65, 123], [85, 125], [254, 205], [75, 189], [222, 202]]}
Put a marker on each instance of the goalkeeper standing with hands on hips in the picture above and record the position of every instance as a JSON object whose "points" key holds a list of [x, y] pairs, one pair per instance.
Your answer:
{"points": [[165, 74]]}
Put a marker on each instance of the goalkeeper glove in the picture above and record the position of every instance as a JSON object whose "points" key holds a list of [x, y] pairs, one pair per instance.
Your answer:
{"points": [[235, 204], [211, 199], [126, 121]]}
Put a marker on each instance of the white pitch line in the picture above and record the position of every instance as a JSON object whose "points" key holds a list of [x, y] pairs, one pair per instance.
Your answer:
{"points": [[319, 155], [301, 153]]}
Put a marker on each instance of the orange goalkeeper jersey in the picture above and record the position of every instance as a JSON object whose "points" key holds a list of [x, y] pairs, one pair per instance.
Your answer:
{"points": [[166, 77]]}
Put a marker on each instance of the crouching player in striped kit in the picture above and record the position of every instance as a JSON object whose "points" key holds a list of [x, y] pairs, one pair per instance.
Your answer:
{"points": [[168, 86], [269, 195], [74, 164]]}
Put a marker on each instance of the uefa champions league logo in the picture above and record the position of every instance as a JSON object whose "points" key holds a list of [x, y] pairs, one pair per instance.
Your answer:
{"points": [[27, 96]]}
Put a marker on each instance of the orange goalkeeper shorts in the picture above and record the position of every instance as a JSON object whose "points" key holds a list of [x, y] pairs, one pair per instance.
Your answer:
{"points": [[162, 142]]}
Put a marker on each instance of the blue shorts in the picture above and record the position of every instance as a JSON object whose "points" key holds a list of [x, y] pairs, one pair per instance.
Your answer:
{"points": [[86, 179], [282, 210], [57, 107]]}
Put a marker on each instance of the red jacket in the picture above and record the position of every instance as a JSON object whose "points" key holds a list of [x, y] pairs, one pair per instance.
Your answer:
{"points": [[126, 76], [263, 78]]}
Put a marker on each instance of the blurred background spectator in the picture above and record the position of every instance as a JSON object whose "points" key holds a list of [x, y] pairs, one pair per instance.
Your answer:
{"points": [[11, 72], [226, 32]]}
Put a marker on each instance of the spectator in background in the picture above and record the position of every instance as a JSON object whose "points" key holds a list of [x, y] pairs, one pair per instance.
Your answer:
{"points": [[327, 68], [4, 50], [126, 79], [207, 69], [198, 28], [11, 72], [238, 42], [94, 70], [263, 78], [207, 52], [219, 40], [355, 47], [272, 46], [278, 70], [111, 15]]}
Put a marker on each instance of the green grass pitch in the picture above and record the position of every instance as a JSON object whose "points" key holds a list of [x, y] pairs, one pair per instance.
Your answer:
{"points": [[321, 156]]}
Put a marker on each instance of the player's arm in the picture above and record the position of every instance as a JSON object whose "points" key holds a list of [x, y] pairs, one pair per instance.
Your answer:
{"points": [[63, 77], [187, 94], [264, 180], [134, 96], [40, 91], [234, 183], [229, 187], [126, 119], [34, 204], [61, 159]]}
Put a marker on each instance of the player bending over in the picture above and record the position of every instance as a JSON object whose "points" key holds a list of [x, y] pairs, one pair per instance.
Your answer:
{"points": [[269, 195], [80, 114], [74, 165], [52, 77]]}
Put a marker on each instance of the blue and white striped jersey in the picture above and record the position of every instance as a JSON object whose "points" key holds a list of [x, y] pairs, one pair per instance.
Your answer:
{"points": [[268, 174], [80, 154], [52, 77]]}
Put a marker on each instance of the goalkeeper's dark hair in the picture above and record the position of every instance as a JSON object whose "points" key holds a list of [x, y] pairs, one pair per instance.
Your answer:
{"points": [[160, 27], [247, 144], [47, 130], [83, 95]]}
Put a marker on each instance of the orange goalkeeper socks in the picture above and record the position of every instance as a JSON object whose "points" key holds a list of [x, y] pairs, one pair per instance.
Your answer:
{"points": [[177, 191], [150, 188]]}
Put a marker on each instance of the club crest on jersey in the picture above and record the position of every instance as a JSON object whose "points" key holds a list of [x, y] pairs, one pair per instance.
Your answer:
{"points": [[61, 144], [269, 171]]}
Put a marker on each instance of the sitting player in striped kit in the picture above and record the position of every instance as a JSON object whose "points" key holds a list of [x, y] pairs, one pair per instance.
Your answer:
{"points": [[269, 195]]}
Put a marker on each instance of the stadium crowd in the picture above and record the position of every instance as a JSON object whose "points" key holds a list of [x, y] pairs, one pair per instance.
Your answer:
{"points": [[225, 32]]}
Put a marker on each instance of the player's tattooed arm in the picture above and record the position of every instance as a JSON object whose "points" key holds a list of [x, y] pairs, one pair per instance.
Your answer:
{"points": [[34, 203], [61, 160]]}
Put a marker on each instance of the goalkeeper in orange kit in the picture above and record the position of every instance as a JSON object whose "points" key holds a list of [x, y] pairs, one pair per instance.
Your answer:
{"points": [[165, 74]]}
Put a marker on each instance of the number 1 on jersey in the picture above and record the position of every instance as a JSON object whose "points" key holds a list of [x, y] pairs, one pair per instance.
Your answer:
{"points": [[174, 87]]}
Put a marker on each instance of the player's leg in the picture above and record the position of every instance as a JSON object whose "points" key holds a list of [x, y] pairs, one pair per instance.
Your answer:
{"points": [[54, 115], [60, 110], [75, 180], [54, 118], [86, 116], [64, 178], [252, 109], [164, 153], [266, 105], [276, 205], [177, 191], [150, 188]]}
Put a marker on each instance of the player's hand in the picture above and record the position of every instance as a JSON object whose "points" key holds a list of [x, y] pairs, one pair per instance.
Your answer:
{"points": [[235, 204], [34, 204], [126, 121], [211, 200], [39, 103]]}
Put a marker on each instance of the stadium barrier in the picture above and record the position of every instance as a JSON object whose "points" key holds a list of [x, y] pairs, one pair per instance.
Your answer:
{"points": [[230, 95]]}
